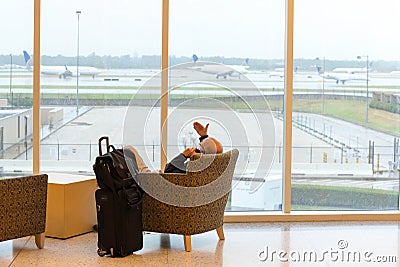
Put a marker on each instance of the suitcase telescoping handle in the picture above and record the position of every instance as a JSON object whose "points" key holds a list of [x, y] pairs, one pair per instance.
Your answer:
{"points": [[107, 144]]}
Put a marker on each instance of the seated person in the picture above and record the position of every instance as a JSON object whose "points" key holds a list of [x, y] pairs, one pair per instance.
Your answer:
{"points": [[207, 145]]}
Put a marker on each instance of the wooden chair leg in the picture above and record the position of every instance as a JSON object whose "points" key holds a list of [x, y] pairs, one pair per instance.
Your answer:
{"points": [[187, 239], [220, 232], [39, 240]]}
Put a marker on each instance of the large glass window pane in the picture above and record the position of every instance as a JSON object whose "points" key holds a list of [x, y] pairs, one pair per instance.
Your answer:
{"points": [[16, 87], [346, 106], [222, 53], [95, 57]]}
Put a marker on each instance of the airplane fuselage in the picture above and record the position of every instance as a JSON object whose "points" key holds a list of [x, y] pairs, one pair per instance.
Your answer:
{"points": [[221, 70], [342, 77], [61, 71]]}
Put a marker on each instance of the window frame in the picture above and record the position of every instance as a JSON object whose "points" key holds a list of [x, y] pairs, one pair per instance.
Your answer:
{"points": [[286, 215]]}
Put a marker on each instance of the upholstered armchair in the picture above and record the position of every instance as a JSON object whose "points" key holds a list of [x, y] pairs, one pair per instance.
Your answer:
{"points": [[23, 207], [191, 203]]}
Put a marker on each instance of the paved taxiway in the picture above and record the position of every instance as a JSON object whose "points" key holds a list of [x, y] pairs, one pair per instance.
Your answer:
{"points": [[78, 134], [128, 81]]}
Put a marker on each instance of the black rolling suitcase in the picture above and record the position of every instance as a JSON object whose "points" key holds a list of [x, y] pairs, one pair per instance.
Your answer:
{"points": [[119, 225], [118, 202]]}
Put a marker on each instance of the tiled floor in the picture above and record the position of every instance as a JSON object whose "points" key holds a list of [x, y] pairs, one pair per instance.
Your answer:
{"points": [[261, 244]]}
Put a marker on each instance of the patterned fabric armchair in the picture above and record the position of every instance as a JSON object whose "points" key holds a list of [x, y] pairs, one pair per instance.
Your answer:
{"points": [[23, 208], [190, 203]]}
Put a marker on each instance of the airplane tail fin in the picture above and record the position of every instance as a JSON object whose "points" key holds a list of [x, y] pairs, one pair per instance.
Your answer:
{"points": [[66, 73], [28, 59], [195, 58], [319, 70], [245, 62]]}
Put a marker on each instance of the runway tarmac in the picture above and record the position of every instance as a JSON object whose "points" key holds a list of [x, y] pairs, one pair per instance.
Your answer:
{"points": [[128, 81]]}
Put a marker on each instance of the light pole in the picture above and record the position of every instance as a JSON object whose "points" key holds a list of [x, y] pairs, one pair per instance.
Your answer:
{"points": [[323, 86], [26, 137], [11, 79], [366, 101], [78, 12]]}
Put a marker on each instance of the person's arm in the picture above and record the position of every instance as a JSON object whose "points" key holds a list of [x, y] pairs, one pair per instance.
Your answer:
{"points": [[201, 130], [176, 165], [139, 161]]}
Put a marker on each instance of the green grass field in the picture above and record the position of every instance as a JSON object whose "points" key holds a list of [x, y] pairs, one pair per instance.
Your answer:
{"points": [[355, 112], [324, 197], [349, 110]]}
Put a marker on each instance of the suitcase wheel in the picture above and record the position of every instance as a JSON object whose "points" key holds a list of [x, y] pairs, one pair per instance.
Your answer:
{"points": [[101, 252]]}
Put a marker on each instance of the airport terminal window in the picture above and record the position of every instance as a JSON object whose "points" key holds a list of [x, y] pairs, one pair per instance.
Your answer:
{"points": [[220, 75], [327, 158], [16, 86], [93, 65], [346, 123]]}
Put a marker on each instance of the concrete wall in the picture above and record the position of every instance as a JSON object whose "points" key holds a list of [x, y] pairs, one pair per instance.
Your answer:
{"points": [[14, 125], [52, 115], [13, 122]]}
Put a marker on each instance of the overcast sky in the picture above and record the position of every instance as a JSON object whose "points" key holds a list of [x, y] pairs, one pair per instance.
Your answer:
{"points": [[335, 29]]}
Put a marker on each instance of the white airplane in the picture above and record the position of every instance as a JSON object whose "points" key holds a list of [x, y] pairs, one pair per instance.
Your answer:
{"points": [[350, 70], [60, 71], [221, 70], [340, 77], [280, 72], [353, 70]]}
